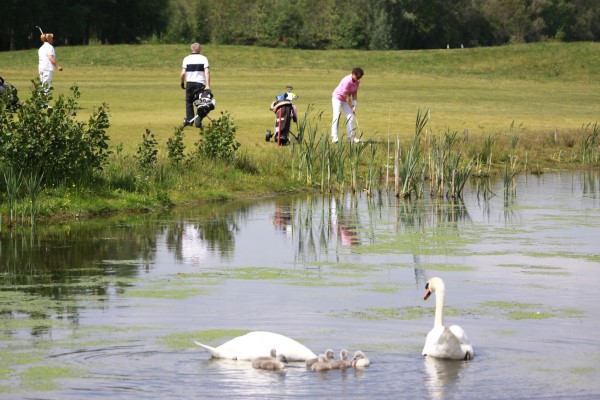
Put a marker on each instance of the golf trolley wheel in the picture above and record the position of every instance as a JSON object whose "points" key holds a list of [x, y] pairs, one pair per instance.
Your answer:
{"points": [[268, 136]]}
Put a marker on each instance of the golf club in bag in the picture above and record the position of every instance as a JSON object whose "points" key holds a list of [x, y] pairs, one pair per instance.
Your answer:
{"points": [[285, 112], [204, 103]]}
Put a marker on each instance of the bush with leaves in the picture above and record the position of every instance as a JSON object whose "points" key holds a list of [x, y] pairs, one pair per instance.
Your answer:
{"points": [[41, 138], [219, 139], [176, 147], [147, 153]]}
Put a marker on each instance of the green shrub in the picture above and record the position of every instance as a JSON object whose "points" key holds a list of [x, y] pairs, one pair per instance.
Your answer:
{"points": [[219, 139], [41, 138], [147, 153], [176, 147]]}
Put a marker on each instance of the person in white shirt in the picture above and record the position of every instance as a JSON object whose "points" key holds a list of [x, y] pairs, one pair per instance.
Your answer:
{"points": [[47, 59], [195, 75]]}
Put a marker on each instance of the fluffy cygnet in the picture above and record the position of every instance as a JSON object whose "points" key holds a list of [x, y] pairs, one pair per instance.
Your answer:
{"points": [[343, 362], [273, 363], [328, 355], [360, 360], [322, 364]]}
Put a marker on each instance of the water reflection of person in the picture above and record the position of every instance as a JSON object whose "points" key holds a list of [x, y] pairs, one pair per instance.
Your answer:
{"points": [[344, 223], [282, 219]]}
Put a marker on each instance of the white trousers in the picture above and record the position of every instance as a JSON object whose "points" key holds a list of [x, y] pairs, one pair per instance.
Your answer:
{"points": [[338, 106], [46, 76]]}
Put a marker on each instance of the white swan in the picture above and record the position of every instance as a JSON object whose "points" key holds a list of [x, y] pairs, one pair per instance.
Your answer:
{"points": [[442, 341], [272, 363], [360, 360], [259, 344]]}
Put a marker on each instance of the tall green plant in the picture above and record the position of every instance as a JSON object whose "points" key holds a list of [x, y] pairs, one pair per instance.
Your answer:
{"points": [[13, 181], [176, 147], [589, 145], [512, 168], [33, 185], [147, 152], [411, 170], [218, 140]]}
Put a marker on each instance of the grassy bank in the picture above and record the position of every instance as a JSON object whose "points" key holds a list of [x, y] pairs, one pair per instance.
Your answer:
{"points": [[547, 94]]}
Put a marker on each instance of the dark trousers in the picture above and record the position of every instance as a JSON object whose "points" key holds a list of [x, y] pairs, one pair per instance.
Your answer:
{"points": [[190, 89]]}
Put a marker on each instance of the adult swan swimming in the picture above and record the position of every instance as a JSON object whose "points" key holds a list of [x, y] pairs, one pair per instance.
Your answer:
{"points": [[442, 341], [259, 344]]}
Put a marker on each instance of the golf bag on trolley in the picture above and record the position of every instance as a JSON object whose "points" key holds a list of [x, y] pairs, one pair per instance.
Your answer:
{"points": [[9, 92], [204, 103], [285, 112]]}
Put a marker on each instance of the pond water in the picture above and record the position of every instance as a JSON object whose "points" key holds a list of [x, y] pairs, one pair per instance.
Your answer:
{"points": [[110, 308]]}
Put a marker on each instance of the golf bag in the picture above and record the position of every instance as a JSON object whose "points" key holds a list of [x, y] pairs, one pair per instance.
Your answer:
{"points": [[285, 112], [204, 103], [9, 92]]}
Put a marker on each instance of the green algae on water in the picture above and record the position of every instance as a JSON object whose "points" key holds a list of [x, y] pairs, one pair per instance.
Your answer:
{"points": [[518, 311]]}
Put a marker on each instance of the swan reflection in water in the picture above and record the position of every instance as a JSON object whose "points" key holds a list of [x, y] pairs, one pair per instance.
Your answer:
{"points": [[242, 380], [441, 375]]}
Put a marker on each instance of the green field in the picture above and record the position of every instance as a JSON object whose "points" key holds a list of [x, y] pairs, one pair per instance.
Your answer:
{"points": [[542, 98], [533, 88]]}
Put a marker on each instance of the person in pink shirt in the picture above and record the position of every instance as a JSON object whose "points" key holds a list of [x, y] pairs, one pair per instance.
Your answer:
{"points": [[345, 97]]}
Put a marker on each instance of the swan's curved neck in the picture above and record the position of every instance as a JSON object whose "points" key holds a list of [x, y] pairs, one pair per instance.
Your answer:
{"points": [[439, 307]]}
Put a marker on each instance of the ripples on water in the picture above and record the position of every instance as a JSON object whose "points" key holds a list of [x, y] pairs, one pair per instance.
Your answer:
{"points": [[116, 303]]}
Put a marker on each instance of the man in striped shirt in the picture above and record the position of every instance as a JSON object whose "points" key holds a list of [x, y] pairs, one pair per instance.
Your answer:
{"points": [[195, 75]]}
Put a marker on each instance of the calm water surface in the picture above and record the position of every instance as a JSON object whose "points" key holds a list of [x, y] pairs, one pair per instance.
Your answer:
{"points": [[109, 308]]}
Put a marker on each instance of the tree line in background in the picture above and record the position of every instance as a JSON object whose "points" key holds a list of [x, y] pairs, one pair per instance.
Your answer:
{"points": [[309, 24]]}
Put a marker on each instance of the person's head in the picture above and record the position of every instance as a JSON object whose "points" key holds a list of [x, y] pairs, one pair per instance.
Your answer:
{"points": [[357, 73], [196, 48], [47, 37]]}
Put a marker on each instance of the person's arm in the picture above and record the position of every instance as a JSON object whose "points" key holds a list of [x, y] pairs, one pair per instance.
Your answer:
{"points": [[207, 76], [53, 61], [182, 78]]}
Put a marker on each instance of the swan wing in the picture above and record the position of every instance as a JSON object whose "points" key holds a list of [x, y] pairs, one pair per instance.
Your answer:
{"points": [[465, 344], [444, 342], [259, 344]]}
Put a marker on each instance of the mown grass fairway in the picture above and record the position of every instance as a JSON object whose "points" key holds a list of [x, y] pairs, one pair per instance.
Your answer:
{"points": [[533, 88]]}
